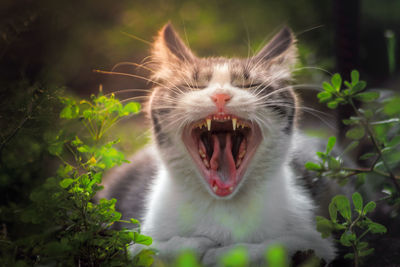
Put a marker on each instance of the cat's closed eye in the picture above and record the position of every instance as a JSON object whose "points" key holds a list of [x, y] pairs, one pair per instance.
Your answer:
{"points": [[251, 85]]}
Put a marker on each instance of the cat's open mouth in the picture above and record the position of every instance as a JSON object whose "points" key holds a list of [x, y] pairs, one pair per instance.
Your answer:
{"points": [[222, 147]]}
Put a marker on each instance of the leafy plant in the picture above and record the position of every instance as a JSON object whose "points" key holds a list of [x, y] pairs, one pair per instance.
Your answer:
{"points": [[78, 230], [379, 123], [376, 122], [351, 230]]}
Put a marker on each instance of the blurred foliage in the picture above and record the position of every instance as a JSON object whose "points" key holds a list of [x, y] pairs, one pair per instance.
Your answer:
{"points": [[78, 230], [351, 227], [378, 122], [380, 125]]}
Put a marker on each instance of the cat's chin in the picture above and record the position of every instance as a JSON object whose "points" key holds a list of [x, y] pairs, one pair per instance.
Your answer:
{"points": [[222, 146]]}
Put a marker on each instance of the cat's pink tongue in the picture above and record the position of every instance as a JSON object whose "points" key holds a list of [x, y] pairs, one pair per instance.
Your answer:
{"points": [[222, 165]]}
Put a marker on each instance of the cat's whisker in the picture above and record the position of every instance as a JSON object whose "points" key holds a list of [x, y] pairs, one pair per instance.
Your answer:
{"points": [[288, 88], [129, 90], [128, 75], [308, 110], [314, 68], [132, 64], [136, 98]]}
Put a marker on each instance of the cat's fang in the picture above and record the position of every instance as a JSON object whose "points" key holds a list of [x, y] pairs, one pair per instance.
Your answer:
{"points": [[209, 124], [215, 188], [234, 121]]}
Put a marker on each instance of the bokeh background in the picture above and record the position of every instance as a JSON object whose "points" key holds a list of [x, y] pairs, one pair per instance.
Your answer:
{"points": [[50, 48]]}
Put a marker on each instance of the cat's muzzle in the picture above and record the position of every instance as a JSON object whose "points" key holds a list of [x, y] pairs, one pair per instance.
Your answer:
{"points": [[222, 147]]}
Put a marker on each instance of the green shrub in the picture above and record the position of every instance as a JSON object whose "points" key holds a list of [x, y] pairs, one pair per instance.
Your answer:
{"points": [[75, 231], [377, 122]]}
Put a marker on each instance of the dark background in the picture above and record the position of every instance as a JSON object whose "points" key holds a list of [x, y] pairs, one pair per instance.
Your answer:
{"points": [[50, 48]]}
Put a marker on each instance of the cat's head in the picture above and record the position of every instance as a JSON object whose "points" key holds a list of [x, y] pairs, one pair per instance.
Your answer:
{"points": [[220, 122]]}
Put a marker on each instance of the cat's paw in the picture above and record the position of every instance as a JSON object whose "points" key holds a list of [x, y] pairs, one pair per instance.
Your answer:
{"points": [[173, 247]]}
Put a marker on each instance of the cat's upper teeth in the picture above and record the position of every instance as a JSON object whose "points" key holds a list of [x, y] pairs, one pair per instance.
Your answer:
{"points": [[209, 124], [236, 123]]}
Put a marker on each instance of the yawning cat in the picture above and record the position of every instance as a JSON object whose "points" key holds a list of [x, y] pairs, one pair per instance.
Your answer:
{"points": [[226, 167]]}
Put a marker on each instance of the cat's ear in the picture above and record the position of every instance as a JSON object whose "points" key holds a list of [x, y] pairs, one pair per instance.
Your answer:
{"points": [[170, 47], [281, 49]]}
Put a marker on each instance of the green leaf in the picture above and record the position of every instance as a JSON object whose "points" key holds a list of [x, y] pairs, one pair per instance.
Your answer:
{"points": [[349, 256], [66, 182], [355, 77], [377, 228], [367, 96], [145, 258], [347, 239], [332, 104], [311, 166], [328, 87], [69, 112], [360, 179], [350, 147], [321, 155], [362, 245], [334, 164], [324, 226], [366, 252], [276, 256], [83, 149], [131, 108], [343, 206], [333, 211], [331, 144], [351, 121], [357, 201], [369, 207], [392, 107], [395, 141], [76, 142], [367, 155], [324, 96], [55, 148], [187, 259], [237, 257], [134, 221], [358, 87], [336, 81], [356, 133], [143, 239]]}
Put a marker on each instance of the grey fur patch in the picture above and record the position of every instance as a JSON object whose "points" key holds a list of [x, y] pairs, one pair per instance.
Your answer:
{"points": [[129, 184], [322, 190]]}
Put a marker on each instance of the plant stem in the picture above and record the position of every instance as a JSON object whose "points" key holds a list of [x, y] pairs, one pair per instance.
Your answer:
{"points": [[361, 170], [376, 145], [355, 256]]}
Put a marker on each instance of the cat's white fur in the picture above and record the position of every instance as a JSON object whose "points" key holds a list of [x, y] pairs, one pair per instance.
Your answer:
{"points": [[267, 208]]}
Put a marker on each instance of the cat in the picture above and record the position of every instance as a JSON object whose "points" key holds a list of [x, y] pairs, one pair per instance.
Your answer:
{"points": [[226, 167]]}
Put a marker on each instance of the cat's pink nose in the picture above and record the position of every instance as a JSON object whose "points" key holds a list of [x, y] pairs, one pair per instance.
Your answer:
{"points": [[220, 101]]}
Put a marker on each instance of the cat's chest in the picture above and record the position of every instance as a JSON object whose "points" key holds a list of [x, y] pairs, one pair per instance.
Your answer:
{"points": [[230, 222], [185, 213]]}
